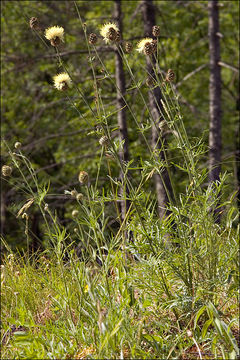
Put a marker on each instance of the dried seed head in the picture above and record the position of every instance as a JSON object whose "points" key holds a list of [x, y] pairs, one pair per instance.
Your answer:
{"points": [[33, 23], [110, 32], [150, 81], [6, 170], [83, 177], [75, 213], [17, 145], [62, 81], [92, 39], [55, 35], [128, 47], [170, 75], [103, 141], [79, 197], [156, 30]]}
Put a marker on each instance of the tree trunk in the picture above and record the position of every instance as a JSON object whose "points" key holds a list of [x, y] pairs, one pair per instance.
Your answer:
{"points": [[162, 183], [214, 96], [237, 157], [121, 115]]}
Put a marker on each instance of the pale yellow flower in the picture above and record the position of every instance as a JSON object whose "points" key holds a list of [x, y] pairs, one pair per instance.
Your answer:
{"points": [[110, 32], [62, 81], [146, 46], [55, 35]]}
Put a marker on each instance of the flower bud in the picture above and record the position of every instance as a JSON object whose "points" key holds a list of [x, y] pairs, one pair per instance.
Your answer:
{"points": [[128, 47], [17, 145], [79, 197], [92, 39], [156, 31], [33, 23], [170, 75], [103, 141], [6, 170], [83, 177], [74, 193], [75, 213]]}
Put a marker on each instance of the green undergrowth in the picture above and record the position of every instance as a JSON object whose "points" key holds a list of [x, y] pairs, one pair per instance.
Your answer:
{"points": [[55, 308]]}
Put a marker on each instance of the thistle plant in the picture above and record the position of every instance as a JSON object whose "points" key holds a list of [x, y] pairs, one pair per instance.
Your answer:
{"points": [[133, 287], [55, 35]]}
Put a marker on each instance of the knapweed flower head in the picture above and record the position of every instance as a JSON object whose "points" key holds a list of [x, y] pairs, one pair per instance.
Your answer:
{"points": [[62, 81], [103, 141], [92, 39], [83, 177], [156, 30], [55, 35], [33, 23], [146, 46], [150, 81], [110, 32], [128, 47], [170, 75]]}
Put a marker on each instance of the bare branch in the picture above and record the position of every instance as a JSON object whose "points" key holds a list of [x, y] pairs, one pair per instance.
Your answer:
{"points": [[191, 74], [231, 67], [138, 8]]}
